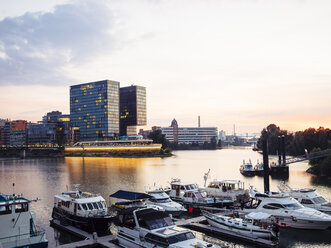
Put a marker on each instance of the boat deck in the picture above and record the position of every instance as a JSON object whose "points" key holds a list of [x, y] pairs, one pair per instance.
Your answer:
{"points": [[199, 224]]}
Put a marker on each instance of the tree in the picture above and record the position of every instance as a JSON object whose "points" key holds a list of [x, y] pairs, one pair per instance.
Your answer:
{"points": [[159, 138]]}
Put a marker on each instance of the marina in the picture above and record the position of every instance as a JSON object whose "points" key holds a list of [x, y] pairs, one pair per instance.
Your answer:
{"points": [[106, 175]]}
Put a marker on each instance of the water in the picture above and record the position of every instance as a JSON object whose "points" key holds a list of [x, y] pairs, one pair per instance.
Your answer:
{"points": [[44, 178]]}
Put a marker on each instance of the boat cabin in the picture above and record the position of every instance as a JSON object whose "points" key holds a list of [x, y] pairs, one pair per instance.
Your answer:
{"points": [[178, 188], [80, 203], [227, 185]]}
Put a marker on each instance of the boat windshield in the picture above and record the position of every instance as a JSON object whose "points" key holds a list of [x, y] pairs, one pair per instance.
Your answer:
{"points": [[292, 206], [152, 219], [164, 200], [319, 200], [180, 237], [201, 194]]}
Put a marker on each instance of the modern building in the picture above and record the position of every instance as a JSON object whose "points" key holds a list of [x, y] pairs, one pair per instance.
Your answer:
{"points": [[189, 135], [132, 109], [94, 109], [42, 133], [52, 117], [16, 132]]}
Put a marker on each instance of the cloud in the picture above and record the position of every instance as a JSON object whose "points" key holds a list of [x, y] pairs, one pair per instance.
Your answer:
{"points": [[35, 48]]}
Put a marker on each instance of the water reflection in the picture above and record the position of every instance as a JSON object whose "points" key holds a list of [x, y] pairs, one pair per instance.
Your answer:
{"points": [[46, 177]]}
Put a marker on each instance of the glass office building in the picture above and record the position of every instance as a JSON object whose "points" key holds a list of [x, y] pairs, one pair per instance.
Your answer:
{"points": [[132, 109], [94, 109]]}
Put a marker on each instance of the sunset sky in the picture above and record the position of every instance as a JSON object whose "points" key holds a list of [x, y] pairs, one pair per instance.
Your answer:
{"points": [[249, 63]]}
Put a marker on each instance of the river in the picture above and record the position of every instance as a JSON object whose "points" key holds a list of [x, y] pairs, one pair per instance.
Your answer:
{"points": [[43, 178]]}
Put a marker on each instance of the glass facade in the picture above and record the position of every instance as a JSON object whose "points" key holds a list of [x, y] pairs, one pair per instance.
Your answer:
{"points": [[132, 108], [94, 109]]}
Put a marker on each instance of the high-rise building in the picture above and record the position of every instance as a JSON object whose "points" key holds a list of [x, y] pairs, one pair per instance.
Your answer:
{"points": [[94, 109], [15, 132], [132, 109]]}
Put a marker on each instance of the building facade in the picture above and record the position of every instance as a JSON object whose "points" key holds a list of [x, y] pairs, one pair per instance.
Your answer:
{"points": [[16, 133], [189, 135], [132, 109], [94, 109]]}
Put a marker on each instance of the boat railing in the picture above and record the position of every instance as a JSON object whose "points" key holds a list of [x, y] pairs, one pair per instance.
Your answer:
{"points": [[16, 238]]}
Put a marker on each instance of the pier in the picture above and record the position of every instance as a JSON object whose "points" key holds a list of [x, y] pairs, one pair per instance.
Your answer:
{"points": [[90, 240]]}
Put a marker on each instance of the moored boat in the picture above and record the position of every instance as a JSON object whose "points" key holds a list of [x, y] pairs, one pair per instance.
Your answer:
{"points": [[307, 197], [83, 210], [151, 228], [259, 169], [160, 199], [247, 169], [190, 195], [287, 211], [253, 224], [17, 224]]}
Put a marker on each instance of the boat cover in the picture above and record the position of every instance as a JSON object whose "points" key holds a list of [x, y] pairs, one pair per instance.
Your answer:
{"points": [[258, 216], [2, 198], [129, 195]]}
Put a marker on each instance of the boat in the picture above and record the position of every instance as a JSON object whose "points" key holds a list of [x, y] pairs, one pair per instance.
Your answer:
{"points": [[259, 169], [190, 195], [233, 190], [307, 197], [131, 199], [83, 210], [247, 169], [253, 224], [18, 227], [149, 227], [160, 199], [286, 211]]}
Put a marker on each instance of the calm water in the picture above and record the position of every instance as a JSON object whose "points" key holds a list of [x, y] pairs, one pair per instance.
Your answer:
{"points": [[44, 178]]}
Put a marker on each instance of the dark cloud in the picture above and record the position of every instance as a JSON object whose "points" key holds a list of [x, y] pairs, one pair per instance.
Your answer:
{"points": [[35, 47]]}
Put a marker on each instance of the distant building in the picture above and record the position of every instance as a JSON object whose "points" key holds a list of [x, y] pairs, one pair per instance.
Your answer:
{"points": [[16, 133], [145, 133], [94, 109], [200, 135], [44, 133], [132, 109], [52, 117]]}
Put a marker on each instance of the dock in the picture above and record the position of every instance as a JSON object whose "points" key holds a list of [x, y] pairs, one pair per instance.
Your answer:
{"points": [[89, 239], [199, 224]]}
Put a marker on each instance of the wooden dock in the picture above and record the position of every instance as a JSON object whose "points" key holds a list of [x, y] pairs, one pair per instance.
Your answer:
{"points": [[199, 224], [89, 239]]}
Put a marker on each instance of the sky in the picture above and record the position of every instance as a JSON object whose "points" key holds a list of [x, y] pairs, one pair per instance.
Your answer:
{"points": [[248, 63]]}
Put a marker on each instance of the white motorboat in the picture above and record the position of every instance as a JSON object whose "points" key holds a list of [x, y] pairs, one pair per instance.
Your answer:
{"points": [[259, 169], [190, 195], [233, 190], [247, 169], [254, 224], [17, 224], [287, 211], [150, 228], [160, 199], [84, 210], [307, 197]]}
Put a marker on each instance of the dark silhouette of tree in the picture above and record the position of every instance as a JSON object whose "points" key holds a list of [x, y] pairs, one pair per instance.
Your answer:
{"points": [[159, 138]]}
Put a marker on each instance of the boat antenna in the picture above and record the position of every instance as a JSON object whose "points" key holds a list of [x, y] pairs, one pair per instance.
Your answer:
{"points": [[13, 189], [205, 177]]}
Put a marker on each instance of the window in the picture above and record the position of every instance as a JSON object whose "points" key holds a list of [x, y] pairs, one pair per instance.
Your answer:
{"points": [[84, 206], [319, 200], [100, 205], [95, 205], [19, 208], [306, 201], [90, 207], [5, 209]]}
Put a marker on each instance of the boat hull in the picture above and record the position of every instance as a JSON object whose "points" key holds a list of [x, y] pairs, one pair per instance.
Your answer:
{"points": [[247, 173], [34, 242], [100, 225]]}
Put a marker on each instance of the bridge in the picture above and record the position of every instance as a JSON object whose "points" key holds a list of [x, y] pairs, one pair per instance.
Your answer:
{"points": [[308, 156], [31, 151]]}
